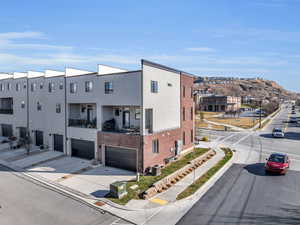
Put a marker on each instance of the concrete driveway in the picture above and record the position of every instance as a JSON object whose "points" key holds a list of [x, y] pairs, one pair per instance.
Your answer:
{"points": [[80, 175], [96, 182]]}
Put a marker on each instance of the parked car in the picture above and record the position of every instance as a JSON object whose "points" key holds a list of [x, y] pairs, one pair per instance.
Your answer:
{"points": [[278, 163], [293, 120], [277, 132], [260, 112]]}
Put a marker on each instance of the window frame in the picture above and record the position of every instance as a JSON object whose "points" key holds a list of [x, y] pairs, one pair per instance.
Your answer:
{"points": [[108, 87], [154, 86], [155, 146], [88, 86], [58, 108], [73, 87]]}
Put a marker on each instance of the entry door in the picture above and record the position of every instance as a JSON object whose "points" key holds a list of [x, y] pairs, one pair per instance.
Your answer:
{"points": [[89, 115], [58, 142], [23, 132], [126, 119], [39, 139]]}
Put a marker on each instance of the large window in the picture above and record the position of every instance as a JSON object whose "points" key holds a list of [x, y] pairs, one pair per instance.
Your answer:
{"points": [[183, 138], [61, 85], [108, 86], [18, 87], [183, 91], [183, 114], [88, 86], [8, 86], [51, 87], [1, 87], [33, 87], [58, 108], [73, 87], [39, 106], [155, 146], [192, 136], [192, 113], [154, 86]]}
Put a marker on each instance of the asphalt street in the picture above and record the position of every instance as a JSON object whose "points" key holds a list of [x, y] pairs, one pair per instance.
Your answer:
{"points": [[245, 194], [27, 203]]}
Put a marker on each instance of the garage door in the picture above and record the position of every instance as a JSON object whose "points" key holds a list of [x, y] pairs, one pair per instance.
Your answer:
{"points": [[23, 132], [123, 158], [39, 139], [83, 149], [7, 130], [58, 142]]}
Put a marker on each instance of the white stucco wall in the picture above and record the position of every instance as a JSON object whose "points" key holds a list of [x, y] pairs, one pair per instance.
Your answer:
{"points": [[165, 103]]}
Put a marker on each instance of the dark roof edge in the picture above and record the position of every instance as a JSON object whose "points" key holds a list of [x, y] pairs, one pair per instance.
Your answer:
{"points": [[147, 62]]}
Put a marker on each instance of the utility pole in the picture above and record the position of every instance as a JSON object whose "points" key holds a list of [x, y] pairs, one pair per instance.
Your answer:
{"points": [[260, 103]]}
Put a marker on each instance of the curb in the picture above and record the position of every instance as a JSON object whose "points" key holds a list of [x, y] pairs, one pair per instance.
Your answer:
{"points": [[207, 185]]}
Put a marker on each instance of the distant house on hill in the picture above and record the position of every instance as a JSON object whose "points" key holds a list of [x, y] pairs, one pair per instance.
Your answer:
{"points": [[216, 103]]}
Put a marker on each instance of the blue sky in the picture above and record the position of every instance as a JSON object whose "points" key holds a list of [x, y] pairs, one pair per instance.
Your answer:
{"points": [[243, 38]]}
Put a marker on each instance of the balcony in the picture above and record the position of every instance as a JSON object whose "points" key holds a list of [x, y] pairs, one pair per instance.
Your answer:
{"points": [[121, 119], [82, 115], [6, 111]]}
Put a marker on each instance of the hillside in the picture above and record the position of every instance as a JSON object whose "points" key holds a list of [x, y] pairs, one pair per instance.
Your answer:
{"points": [[257, 88]]}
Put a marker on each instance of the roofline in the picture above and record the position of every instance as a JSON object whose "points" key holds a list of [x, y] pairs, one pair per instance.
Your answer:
{"points": [[170, 69]]}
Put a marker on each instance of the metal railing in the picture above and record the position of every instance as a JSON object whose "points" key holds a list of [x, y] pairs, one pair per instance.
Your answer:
{"points": [[6, 111], [83, 123]]}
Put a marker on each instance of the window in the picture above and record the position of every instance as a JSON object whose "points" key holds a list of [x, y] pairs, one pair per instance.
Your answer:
{"points": [[41, 85], [170, 85], [8, 86], [18, 87], [88, 86], [22, 104], [1, 87], [155, 146], [192, 136], [51, 87], [183, 113], [183, 91], [154, 86], [108, 86], [58, 108], [192, 113], [39, 106], [33, 87], [183, 138], [137, 114], [73, 87], [117, 112], [61, 86], [24, 85], [192, 95]]}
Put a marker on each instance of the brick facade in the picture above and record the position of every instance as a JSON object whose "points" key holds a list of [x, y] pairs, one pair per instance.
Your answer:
{"points": [[187, 117], [166, 147]]}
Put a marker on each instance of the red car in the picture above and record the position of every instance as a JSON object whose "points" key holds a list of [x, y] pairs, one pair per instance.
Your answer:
{"points": [[278, 163]]}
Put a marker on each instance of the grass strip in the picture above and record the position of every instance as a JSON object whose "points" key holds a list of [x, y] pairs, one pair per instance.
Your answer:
{"points": [[205, 177], [147, 181]]}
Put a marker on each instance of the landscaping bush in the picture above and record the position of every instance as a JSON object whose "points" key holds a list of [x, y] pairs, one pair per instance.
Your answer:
{"points": [[205, 138]]}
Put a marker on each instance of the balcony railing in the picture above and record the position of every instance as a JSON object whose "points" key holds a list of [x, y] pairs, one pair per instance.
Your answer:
{"points": [[83, 123], [6, 111]]}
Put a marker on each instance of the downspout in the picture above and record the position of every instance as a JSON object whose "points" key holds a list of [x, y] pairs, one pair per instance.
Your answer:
{"points": [[141, 122], [66, 122]]}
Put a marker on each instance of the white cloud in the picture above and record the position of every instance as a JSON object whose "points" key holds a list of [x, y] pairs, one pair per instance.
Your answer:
{"points": [[7, 41], [200, 49], [21, 35]]}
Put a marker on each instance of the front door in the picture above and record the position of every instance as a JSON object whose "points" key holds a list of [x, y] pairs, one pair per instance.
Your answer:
{"points": [[126, 119], [39, 139]]}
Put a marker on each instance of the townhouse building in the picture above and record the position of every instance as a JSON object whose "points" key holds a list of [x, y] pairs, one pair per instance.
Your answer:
{"points": [[128, 119]]}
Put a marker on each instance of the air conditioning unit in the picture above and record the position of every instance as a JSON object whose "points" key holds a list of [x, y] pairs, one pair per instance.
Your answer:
{"points": [[178, 147]]}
